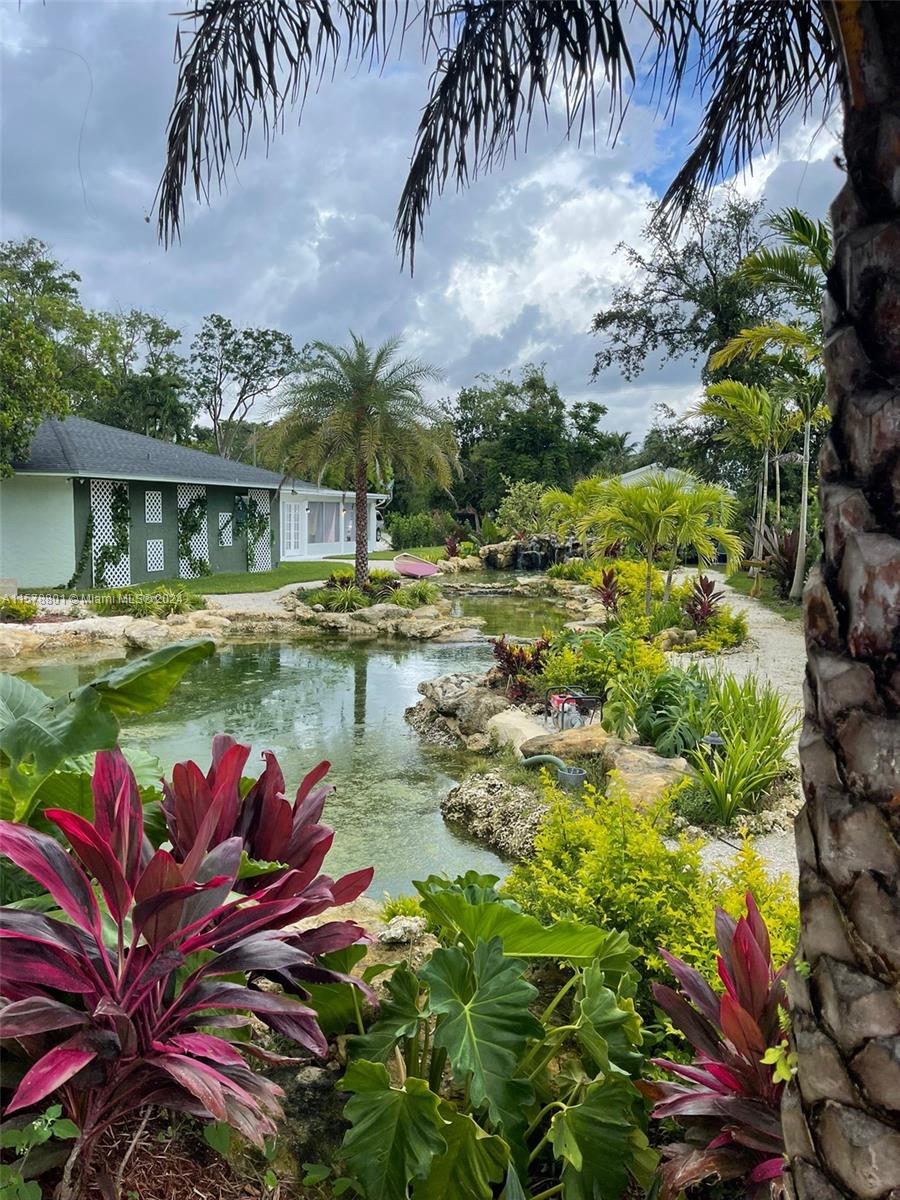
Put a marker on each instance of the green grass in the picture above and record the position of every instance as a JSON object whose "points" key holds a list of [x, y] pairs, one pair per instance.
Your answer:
{"points": [[741, 582], [422, 551], [230, 583]]}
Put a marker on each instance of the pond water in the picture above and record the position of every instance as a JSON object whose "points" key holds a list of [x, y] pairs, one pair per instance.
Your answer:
{"points": [[339, 701], [344, 702]]}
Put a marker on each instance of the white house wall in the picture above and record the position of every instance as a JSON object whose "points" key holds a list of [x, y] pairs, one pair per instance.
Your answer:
{"points": [[300, 526], [37, 530]]}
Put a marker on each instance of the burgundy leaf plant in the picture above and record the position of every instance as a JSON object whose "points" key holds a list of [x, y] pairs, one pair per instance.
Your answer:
{"points": [[127, 997], [729, 1100], [703, 602]]}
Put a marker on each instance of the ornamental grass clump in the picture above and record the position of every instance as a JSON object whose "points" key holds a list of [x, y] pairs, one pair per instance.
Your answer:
{"points": [[130, 994], [728, 1100]]}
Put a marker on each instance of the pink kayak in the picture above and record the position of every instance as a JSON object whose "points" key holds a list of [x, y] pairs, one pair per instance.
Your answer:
{"points": [[413, 566]]}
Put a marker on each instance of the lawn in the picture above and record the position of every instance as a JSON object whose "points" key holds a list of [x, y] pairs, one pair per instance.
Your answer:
{"points": [[741, 582], [242, 581], [429, 552]]}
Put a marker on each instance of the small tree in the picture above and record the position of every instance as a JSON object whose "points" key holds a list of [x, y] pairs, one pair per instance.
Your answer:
{"points": [[362, 412], [520, 508]]}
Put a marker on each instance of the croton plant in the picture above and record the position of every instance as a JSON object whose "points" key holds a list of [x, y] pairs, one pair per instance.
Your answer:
{"points": [[126, 995], [729, 1099]]}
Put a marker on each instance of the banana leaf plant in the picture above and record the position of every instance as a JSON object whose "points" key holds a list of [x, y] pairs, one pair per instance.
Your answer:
{"points": [[40, 736], [729, 1099], [465, 1084], [128, 996]]}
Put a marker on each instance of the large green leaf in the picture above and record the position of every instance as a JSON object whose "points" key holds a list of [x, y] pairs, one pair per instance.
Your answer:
{"points": [[608, 1027], [525, 937], [398, 1017], [334, 1003], [395, 1133], [18, 699], [474, 1160], [41, 739], [600, 1143], [485, 1025]]}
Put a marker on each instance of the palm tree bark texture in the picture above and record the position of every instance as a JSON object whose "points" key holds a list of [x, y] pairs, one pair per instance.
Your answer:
{"points": [[842, 1112]]}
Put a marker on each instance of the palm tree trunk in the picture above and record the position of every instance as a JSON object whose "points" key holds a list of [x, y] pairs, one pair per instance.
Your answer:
{"points": [[362, 523], [842, 1111], [648, 586], [777, 489], [800, 567], [673, 562]]}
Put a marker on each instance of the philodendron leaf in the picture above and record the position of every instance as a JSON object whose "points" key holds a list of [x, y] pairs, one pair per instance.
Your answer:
{"points": [[40, 739], [395, 1133], [485, 1025], [18, 699], [525, 937], [600, 1144], [398, 1017], [473, 1162], [608, 1027]]}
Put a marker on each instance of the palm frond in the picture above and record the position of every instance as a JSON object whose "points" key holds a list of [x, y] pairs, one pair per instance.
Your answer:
{"points": [[761, 339]]}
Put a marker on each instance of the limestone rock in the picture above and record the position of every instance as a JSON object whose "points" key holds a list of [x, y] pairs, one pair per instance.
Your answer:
{"points": [[338, 622], [512, 727], [499, 557], [446, 691], [643, 773], [503, 815], [669, 638], [148, 634], [580, 742], [377, 614], [402, 931], [477, 707], [14, 639]]}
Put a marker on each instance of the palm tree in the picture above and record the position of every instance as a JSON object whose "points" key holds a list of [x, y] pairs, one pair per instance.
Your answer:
{"points": [[644, 514], [756, 64], [361, 412], [702, 526], [750, 415], [565, 510], [797, 267]]}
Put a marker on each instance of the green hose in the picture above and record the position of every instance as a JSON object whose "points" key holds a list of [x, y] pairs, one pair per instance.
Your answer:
{"points": [[543, 758]]}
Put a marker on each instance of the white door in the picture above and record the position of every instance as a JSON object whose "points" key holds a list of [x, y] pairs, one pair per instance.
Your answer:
{"points": [[293, 514]]}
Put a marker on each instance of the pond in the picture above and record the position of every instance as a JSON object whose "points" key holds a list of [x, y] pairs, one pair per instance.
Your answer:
{"points": [[340, 701]]}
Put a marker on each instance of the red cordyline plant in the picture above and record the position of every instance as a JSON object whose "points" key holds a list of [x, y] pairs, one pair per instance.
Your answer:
{"points": [[129, 1007], [730, 1102], [608, 590], [703, 602], [519, 662]]}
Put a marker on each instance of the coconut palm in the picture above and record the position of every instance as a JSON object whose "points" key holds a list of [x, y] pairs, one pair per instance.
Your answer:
{"points": [[565, 510], [361, 413], [756, 65]]}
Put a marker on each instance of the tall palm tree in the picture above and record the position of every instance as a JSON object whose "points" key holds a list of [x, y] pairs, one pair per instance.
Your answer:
{"points": [[565, 510], [362, 413], [798, 267], [756, 64], [754, 416]]}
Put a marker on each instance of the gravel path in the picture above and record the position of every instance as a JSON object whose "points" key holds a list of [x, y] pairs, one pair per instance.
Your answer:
{"points": [[775, 651]]}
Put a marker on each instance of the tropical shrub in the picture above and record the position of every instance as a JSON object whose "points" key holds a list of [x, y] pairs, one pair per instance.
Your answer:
{"points": [[381, 585], [703, 602], [341, 578], [279, 840], [591, 660], [39, 1145], [520, 663], [146, 966], [339, 598], [729, 1099], [631, 581], [467, 549], [160, 601], [400, 906], [607, 591], [726, 629], [603, 861], [780, 548], [519, 512], [415, 529], [414, 595], [42, 738], [479, 1102], [15, 609], [575, 570], [490, 532], [667, 709], [451, 545]]}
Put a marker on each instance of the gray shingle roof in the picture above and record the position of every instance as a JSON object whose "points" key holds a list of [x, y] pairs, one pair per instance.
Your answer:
{"points": [[79, 447]]}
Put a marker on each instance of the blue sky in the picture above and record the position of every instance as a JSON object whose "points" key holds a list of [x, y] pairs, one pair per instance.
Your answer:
{"points": [[509, 272]]}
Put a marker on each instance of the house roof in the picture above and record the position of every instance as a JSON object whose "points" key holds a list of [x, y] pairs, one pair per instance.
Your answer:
{"points": [[86, 449]]}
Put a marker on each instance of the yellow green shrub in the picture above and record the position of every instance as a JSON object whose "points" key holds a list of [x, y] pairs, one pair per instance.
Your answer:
{"points": [[601, 860], [590, 661]]}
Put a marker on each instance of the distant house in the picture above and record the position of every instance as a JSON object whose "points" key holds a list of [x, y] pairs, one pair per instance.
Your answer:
{"points": [[642, 474], [95, 505]]}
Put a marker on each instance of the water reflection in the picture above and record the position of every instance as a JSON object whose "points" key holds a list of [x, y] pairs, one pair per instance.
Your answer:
{"points": [[337, 701]]}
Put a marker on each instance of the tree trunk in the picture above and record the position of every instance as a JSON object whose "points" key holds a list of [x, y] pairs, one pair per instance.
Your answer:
{"points": [[841, 1113], [648, 586], [800, 567], [777, 489], [673, 563], [362, 523]]}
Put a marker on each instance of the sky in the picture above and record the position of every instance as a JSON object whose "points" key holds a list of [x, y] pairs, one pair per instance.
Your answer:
{"points": [[509, 272]]}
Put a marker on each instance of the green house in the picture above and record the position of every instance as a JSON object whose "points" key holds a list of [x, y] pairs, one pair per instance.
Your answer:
{"points": [[98, 506]]}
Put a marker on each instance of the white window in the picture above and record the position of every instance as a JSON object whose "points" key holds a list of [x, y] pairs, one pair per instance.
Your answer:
{"points": [[323, 522], [153, 507], [156, 554]]}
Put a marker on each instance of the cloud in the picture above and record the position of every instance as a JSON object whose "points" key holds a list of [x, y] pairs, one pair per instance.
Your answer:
{"points": [[508, 272]]}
